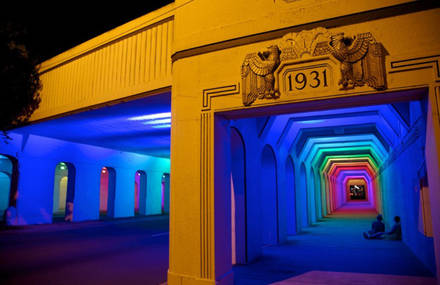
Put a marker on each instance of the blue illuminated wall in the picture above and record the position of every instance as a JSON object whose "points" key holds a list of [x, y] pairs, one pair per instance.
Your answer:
{"points": [[401, 177], [38, 157]]}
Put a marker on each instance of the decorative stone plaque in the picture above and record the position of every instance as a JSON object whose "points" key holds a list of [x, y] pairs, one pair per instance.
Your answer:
{"points": [[361, 62]]}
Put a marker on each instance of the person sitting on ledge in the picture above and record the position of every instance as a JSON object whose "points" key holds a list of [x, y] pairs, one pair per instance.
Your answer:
{"points": [[377, 229]]}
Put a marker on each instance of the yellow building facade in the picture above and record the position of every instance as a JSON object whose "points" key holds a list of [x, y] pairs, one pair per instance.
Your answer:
{"points": [[235, 60]]}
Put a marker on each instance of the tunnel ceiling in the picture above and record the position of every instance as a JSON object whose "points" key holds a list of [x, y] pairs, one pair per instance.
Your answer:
{"points": [[369, 130], [124, 126], [340, 144]]}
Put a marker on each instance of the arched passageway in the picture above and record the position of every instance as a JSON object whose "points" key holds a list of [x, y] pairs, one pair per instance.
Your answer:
{"points": [[303, 199], [291, 197], [238, 198], [140, 193], [341, 168], [269, 196], [6, 170], [107, 192], [64, 192], [8, 189], [165, 204]]}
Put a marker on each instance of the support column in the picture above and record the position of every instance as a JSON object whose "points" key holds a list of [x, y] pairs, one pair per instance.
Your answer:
{"points": [[86, 202], [432, 153], [35, 191], [200, 216], [154, 193], [124, 196]]}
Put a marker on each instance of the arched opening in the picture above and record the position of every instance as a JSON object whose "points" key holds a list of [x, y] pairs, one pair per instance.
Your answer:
{"points": [[107, 192], [6, 169], [269, 196], [303, 203], [5, 189], [238, 198], [64, 192], [318, 194], [311, 197], [8, 189], [291, 197], [165, 193], [140, 193], [356, 190]]}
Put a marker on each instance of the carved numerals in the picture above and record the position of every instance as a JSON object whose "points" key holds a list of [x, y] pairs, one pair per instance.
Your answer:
{"points": [[306, 79]]}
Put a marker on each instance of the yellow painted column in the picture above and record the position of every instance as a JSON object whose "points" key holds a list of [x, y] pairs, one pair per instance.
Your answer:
{"points": [[200, 222], [199, 239]]}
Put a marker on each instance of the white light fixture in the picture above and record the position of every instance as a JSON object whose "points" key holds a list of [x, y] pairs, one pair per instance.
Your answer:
{"points": [[151, 117], [161, 126], [158, 122]]}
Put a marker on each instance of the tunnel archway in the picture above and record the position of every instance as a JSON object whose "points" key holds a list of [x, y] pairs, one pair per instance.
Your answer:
{"points": [[165, 204], [8, 186], [269, 196], [303, 199], [312, 197], [291, 197], [107, 192], [140, 192], [238, 198], [64, 192]]}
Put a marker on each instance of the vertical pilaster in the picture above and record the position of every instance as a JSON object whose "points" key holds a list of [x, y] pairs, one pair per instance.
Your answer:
{"points": [[207, 263]]}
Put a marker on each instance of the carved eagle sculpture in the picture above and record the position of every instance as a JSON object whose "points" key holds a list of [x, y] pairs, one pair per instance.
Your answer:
{"points": [[350, 51], [257, 75]]}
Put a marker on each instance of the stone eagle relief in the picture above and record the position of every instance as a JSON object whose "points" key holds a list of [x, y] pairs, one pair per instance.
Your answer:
{"points": [[257, 75], [362, 61]]}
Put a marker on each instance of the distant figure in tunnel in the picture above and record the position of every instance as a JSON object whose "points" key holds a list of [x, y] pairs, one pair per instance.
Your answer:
{"points": [[396, 230], [377, 229]]}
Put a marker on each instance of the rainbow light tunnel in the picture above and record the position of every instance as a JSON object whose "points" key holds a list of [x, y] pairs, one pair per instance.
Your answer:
{"points": [[343, 148], [296, 169]]}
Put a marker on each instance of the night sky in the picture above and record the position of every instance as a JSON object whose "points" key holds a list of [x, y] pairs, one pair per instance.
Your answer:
{"points": [[52, 29]]}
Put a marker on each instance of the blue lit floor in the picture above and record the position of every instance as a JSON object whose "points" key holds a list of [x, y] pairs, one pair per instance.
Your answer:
{"points": [[124, 251], [335, 245]]}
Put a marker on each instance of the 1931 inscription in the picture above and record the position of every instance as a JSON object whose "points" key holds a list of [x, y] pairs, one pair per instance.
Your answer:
{"points": [[299, 80]]}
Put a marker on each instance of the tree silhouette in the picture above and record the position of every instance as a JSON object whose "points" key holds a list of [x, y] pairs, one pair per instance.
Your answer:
{"points": [[19, 80]]}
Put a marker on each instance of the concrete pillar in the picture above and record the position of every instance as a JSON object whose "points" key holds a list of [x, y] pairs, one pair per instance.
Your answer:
{"points": [[86, 202], [201, 203], [35, 190], [154, 193], [124, 194]]}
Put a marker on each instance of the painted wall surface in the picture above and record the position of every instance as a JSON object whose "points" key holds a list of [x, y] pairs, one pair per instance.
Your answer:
{"points": [[131, 59], [218, 21], [401, 188], [36, 184]]}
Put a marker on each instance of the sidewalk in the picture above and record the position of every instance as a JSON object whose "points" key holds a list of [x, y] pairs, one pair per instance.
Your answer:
{"points": [[334, 252]]}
